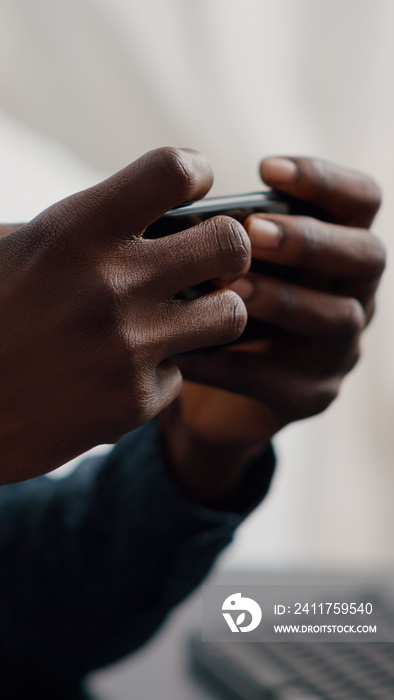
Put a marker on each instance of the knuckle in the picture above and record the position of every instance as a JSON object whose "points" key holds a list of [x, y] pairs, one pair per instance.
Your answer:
{"points": [[323, 396], [232, 243], [312, 237], [378, 256], [320, 171], [307, 236], [321, 175], [353, 321], [178, 170], [316, 175]]}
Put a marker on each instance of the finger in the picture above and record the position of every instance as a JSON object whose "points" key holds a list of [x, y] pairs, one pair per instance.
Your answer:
{"points": [[370, 309], [311, 357], [303, 311], [168, 380], [164, 387], [343, 195], [218, 247], [249, 374], [126, 203], [214, 319], [323, 249]]}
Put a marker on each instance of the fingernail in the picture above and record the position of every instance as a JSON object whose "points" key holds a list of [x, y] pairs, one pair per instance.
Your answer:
{"points": [[243, 287], [263, 233], [279, 170]]}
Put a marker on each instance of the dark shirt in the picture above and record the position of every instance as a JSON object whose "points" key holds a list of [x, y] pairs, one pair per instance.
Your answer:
{"points": [[90, 565]]}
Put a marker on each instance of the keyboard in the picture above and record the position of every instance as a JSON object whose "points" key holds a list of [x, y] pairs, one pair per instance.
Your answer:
{"points": [[301, 670]]}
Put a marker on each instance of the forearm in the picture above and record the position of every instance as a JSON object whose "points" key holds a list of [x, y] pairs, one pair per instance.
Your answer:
{"points": [[92, 564]]}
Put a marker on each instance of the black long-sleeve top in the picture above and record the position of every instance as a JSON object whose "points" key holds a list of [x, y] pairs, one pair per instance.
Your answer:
{"points": [[90, 565]]}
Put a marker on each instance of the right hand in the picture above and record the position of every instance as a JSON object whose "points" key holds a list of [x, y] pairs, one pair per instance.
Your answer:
{"points": [[238, 398], [88, 312]]}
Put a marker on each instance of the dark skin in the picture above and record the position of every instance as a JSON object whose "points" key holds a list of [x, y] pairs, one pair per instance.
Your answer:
{"points": [[92, 320], [89, 312], [237, 399]]}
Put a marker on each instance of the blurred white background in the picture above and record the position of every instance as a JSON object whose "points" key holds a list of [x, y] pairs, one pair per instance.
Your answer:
{"points": [[88, 85]]}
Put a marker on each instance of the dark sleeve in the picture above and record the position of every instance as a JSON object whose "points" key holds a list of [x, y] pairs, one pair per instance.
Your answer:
{"points": [[91, 564]]}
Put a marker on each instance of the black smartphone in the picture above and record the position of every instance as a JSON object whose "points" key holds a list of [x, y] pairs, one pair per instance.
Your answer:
{"points": [[238, 207], [243, 204]]}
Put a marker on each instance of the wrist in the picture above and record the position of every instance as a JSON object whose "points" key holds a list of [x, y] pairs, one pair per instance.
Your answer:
{"points": [[208, 469]]}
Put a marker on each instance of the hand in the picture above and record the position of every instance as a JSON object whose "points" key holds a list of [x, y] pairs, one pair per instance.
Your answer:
{"points": [[316, 327], [89, 313]]}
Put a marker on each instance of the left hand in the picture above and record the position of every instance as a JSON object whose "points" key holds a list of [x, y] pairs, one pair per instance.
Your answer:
{"points": [[241, 396]]}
